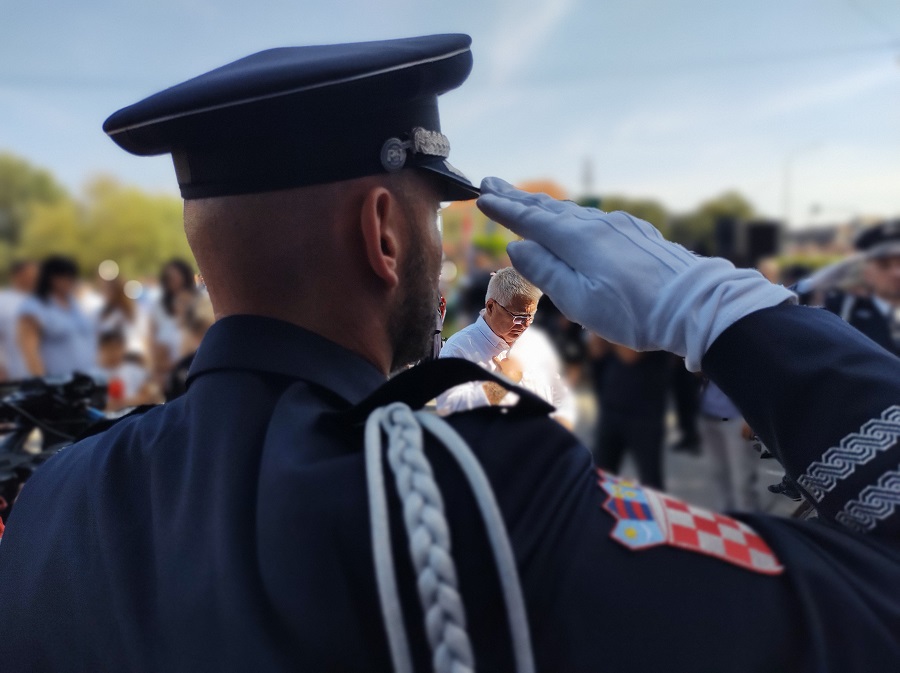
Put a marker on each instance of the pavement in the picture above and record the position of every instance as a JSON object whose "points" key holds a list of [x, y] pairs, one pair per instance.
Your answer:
{"points": [[687, 476]]}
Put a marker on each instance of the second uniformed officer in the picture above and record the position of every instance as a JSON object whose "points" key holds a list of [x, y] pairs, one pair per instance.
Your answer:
{"points": [[229, 529], [877, 315]]}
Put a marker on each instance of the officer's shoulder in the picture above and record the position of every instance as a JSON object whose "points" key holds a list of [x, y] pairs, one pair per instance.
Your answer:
{"points": [[67, 470], [76, 464], [525, 426], [106, 432], [103, 426], [529, 430], [524, 454], [416, 387]]}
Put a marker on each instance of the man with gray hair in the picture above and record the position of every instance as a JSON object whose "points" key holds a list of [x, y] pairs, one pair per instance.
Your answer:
{"points": [[509, 308]]}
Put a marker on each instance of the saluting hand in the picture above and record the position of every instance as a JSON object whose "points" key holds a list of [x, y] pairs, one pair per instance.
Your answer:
{"points": [[616, 274]]}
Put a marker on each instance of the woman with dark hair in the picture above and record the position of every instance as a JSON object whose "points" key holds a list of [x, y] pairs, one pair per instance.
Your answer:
{"points": [[167, 336], [55, 336]]}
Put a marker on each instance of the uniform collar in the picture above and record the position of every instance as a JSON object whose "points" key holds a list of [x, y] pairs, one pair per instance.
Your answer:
{"points": [[883, 307], [260, 344]]}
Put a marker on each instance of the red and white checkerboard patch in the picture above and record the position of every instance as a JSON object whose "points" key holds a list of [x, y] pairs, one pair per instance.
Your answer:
{"points": [[698, 529], [687, 527]]}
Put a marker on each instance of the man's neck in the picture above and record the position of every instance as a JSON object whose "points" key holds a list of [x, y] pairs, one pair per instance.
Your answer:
{"points": [[369, 346]]}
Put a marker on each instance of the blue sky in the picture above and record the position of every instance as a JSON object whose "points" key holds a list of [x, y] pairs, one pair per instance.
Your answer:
{"points": [[675, 100]]}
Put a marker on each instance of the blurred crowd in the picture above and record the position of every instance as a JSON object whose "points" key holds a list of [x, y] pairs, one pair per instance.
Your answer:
{"points": [[635, 411], [632, 407], [137, 337], [644, 412]]}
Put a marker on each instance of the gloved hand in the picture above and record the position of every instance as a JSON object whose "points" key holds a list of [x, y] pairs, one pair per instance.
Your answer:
{"points": [[617, 275]]}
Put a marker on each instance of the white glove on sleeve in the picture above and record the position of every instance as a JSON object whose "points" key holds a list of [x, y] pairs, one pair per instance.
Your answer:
{"points": [[618, 276]]}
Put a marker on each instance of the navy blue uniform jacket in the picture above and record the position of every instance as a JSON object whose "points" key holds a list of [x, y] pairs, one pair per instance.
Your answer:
{"points": [[228, 530], [863, 314]]}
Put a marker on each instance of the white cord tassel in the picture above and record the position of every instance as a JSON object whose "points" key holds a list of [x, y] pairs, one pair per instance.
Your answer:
{"points": [[429, 541], [429, 538]]}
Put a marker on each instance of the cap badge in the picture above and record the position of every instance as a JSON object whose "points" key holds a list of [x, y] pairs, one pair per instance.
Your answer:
{"points": [[393, 154], [421, 141]]}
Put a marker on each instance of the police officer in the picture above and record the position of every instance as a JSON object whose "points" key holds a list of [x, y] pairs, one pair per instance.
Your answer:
{"points": [[877, 315], [229, 529]]}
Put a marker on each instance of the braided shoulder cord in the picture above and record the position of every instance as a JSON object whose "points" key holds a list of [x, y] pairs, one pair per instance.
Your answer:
{"points": [[379, 526], [430, 541], [497, 535]]}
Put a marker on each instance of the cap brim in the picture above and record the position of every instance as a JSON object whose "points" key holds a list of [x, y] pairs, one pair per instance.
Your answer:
{"points": [[886, 249], [456, 185]]}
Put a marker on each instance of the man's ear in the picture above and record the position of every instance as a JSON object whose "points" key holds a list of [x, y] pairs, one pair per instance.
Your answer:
{"points": [[381, 220]]}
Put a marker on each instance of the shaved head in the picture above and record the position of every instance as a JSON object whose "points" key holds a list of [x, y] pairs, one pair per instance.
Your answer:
{"points": [[355, 261]]}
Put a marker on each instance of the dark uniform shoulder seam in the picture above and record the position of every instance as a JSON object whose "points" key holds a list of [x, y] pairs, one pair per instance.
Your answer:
{"points": [[106, 424]]}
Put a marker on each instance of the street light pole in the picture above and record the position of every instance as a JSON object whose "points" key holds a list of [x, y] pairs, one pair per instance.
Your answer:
{"points": [[788, 161]]}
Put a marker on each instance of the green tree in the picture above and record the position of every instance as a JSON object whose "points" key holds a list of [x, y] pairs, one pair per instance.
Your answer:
{"points": [[23, 186], [493, 244], [646, 209], [53, 229], [696, 229], [140, 231]]}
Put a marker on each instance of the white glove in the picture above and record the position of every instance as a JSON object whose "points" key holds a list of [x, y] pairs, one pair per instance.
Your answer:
{"points": [[617, 275]]}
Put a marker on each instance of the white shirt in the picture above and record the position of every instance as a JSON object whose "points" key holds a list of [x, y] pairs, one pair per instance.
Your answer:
{"points": [[132, 378], [11, 301], [167, 331], [68, 338], [533, 350], [135, 330]]}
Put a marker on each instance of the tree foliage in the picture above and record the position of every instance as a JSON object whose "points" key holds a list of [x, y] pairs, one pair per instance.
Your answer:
{"points": [[492, 243], [22, 187], [697, 229], [53, 229], [140, 231], [646, 209], [549, 187]]}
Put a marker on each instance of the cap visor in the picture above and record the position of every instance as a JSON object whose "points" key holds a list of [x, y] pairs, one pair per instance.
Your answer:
{"points": [[887, 249], [456, 186]]}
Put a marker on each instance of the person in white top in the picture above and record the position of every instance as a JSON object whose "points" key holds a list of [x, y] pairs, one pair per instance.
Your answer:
{"points": [[502, 341], [23, 279], [54, 334], [166, 334]]}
